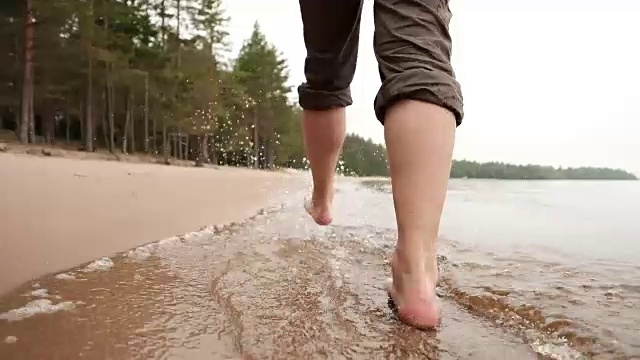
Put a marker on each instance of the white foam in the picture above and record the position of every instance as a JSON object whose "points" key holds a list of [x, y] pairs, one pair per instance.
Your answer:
{"points": [[209, 230], [557, 352], [40, 306], [142, 252], [10, 339], [40, 293], [65, 276], [101, 264], [169, 241]]}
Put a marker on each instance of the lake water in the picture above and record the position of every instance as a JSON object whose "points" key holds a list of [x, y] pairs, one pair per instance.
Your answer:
{"points": [[569, 250]]}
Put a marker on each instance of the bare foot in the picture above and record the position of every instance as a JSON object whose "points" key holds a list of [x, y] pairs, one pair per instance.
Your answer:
{"points": [[413, 297], [320, 211]]}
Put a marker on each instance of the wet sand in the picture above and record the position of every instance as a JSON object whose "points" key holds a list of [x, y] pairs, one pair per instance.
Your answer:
{"points": [[57, 213]]}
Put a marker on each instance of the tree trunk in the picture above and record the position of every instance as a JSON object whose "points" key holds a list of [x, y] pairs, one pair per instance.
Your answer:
{"points": [[185, 147], [203, 151], [32, 121], [109, 90], [48, 123], [26, 128], [175, 143], [104, 112], [269, 154], [154, 137], [67, 130], [127, 115], [178, 137], [146, 113], [165, 143], [256, 140], [132, 124], [89, 127], [213, 159], [163, 36], [110, 112], [188, 147], [205, 148], [81, 120]]}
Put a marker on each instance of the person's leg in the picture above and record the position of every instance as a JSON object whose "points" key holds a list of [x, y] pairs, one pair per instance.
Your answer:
{"points": [[420, 105], [324, 133], [331, 30]]}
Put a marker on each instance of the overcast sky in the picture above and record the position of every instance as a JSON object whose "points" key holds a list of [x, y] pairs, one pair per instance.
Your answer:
{"points": [[553, 82]]}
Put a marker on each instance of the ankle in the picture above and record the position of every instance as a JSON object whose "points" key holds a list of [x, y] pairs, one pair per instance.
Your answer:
{"points": [[416, 257], [408, 262], [322, 194]]}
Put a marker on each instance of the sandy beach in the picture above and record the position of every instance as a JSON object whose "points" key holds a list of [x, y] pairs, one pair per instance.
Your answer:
{"points": [[57, 213]]}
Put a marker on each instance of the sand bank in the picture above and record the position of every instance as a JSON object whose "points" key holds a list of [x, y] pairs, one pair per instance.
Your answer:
{"points": [[56, 213]]}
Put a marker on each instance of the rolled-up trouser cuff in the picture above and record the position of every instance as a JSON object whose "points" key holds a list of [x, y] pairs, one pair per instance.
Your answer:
{"points": [[313, 99], [432, 86]]}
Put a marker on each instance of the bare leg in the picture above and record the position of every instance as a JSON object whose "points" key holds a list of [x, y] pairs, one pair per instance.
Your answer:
{"points": [[323, 133], [420, 139]]}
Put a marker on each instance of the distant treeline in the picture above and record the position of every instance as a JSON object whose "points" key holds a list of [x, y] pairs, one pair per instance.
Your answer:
{"points": [[362, 157], [498, 170]]}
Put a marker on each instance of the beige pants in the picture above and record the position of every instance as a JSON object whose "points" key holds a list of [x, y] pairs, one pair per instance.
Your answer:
{"points": [[411, 42]]}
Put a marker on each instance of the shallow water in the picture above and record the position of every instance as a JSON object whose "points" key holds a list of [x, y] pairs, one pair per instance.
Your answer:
{"points": [[279, 287], [559, 258]]}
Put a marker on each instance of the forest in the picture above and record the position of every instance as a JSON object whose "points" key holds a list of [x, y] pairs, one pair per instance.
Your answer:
{"points": [[150, 76], [145, 76]]}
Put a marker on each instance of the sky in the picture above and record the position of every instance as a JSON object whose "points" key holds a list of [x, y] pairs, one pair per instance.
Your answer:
{"points": [[551, 82]]}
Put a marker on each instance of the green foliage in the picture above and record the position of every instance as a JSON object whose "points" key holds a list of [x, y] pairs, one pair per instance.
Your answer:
{"points": [[160, 60], [261, 75], [362, 157]]}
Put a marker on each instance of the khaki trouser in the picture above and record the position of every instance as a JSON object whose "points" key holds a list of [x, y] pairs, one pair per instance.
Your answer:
{"points": [[411, 42]]}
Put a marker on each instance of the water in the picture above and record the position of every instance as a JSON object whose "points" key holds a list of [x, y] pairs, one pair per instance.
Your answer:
{"points": [[570, 249], [561, 257], [529, 270]]}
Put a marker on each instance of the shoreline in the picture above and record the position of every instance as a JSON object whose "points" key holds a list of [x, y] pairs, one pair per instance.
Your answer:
{"points": [[70, 151], [116, 206]]}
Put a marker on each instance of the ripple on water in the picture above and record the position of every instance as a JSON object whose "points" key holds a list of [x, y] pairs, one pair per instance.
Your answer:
{"points": [[561, 302]]}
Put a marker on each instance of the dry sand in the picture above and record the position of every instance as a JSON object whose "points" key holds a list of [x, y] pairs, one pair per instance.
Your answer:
{"points": [[56, 213]]}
